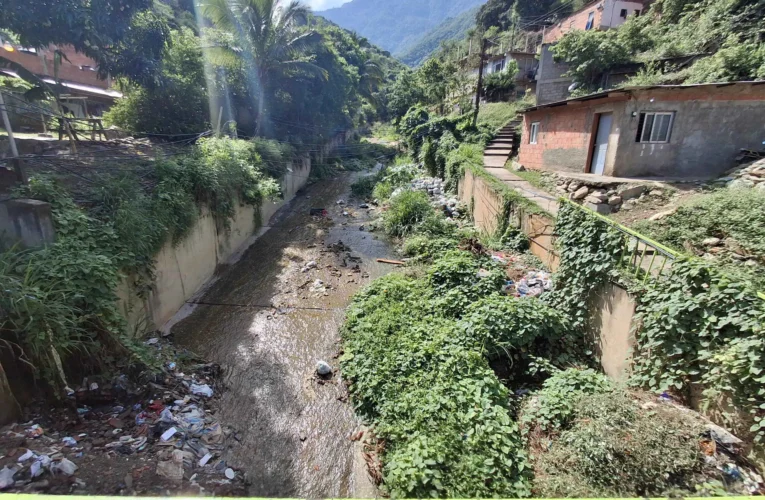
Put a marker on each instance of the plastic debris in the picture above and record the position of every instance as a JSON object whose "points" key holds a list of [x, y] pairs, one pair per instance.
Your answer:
{"points": [[152, 341], [535, 283], [168, 434], [26, 456], [6, 478], [65, 466], [203, 461], [323, 368], [201, 390], [341, 202], [69, 441], [230, 474], [167, 416], [94, 386], [40, 464], [35, 431]]}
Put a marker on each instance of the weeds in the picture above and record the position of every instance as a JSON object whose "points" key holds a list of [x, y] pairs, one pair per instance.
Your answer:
{"points": [[406, 211]]}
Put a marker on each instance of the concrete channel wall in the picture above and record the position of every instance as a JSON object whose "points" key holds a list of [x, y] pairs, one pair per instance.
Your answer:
{"points": [[613, 309], [182, 269]]}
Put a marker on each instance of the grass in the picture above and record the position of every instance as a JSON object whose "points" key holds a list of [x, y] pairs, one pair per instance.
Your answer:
{"points": [[498, 114], [385, 132], [537, 178]]}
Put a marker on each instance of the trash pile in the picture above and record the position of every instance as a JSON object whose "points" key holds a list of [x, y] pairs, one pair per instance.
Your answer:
{"points": [[120, 436], [522, 282]]}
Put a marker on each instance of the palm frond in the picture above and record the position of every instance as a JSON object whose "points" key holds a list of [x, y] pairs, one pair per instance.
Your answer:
{"points": [[305, 67]]}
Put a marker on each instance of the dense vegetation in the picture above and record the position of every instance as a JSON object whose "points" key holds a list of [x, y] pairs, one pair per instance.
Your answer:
{"points": [[725, 39], [453, 28]]}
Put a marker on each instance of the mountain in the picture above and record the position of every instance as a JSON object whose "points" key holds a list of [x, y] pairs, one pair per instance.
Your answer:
{"points": [[395, 25], [453, 28]]}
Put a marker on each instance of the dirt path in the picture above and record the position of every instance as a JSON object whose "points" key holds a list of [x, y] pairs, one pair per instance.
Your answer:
{"points": [[267, 321]]}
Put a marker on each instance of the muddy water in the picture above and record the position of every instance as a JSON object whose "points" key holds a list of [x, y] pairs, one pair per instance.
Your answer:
{"points": [[265, 325]]}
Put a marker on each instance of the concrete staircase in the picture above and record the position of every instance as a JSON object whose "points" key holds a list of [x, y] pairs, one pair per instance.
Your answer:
{"points": [[504, 146]]}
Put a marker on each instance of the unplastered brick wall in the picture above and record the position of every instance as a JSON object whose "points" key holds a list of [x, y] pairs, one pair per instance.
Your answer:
{"points": [[577, 21], [562, 139]]}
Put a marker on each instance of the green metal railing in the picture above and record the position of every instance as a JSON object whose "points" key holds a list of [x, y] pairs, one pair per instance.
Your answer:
{"points": [[642, 256]]}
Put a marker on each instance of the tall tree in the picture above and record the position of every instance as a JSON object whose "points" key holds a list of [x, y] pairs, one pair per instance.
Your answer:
{"points": [[269, 40]]}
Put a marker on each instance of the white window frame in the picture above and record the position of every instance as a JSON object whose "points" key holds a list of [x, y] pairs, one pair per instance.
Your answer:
{"points": [[534, 133], [652, 139]]}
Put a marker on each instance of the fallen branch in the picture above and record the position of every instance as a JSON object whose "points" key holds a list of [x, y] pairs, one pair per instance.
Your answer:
{"points": [[393, 262]]}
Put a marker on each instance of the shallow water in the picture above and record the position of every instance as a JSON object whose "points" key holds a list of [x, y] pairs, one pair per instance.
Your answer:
{"points": [[263, 324]]}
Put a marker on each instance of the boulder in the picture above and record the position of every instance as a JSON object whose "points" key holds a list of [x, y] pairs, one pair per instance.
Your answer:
{"points": [[599, 195], [661, 215], [574, 186], [601, 208], [580, 193], [711, 242], [615, 200], [629, 193]]}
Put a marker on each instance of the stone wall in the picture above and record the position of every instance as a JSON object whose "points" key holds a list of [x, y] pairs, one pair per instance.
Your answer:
{"points": [[25, 222]]}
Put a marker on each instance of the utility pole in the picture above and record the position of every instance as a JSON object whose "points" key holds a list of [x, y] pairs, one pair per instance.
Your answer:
{"points": [[479, 90]]}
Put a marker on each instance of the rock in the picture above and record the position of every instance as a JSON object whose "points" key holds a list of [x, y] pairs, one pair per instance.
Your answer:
{"points": [[323, 368], [601, 208], [711, 242], [574, 186], [740, 183], [661, 215], [615, 200], [580, 193], [116, 423], [599, 195], [593, 199], [631, 192], [656, 193]]}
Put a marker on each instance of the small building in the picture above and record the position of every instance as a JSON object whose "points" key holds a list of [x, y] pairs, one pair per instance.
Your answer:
{"points": [[527, 66], [552, 84], [686, 131]]}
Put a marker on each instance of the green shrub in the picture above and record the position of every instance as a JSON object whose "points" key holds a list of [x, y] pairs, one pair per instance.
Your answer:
{"points": [[406, 211], [554, 406], [382, 191], [364, 187], [500, 325], [614, 448], [426, 247], [437, 404]]}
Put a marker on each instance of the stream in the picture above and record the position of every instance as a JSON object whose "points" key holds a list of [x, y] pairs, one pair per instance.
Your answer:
{"points": [[267, 321]]}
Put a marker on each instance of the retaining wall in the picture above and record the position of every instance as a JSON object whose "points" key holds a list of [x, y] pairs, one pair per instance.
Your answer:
{"points": [[613, 308], [181, 270]]}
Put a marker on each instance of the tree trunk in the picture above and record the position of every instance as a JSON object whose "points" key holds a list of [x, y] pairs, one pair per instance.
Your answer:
{"points": [[480, 83]]}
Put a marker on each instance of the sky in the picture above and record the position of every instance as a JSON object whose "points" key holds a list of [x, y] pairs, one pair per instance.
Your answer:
{"points": [[324, 4]]}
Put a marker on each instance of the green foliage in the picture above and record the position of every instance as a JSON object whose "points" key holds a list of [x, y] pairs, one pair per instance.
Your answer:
{"points": [[590, 53], [589, 251], [553, 407], [426, 247], [734, 215], [501, 325], [364, 187], [179, 105], [698, 326], [614, 448], [406, 211], [497, 86], [435, 401], [62, 298]]}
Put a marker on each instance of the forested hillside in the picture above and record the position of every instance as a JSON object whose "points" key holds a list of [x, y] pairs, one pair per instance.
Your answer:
{"points": [[454, 28], [395, 25]]}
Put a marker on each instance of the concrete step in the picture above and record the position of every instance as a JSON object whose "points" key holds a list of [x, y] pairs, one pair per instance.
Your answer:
{"points": [[505, 153], [504, 141], [498, 147]]}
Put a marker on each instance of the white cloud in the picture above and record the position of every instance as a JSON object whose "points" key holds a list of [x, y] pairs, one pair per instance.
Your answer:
{"points": [[324, 4]]}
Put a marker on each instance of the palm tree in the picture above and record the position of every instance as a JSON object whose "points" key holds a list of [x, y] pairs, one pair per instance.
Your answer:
{"points": [[267, 38]]}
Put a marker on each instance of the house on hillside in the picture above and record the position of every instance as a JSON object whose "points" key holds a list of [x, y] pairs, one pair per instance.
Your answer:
{"points": [[686, 131], [85, 94], [552, 85], [527, 66]]}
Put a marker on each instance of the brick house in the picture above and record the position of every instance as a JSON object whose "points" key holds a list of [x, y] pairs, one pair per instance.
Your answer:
{"points": [[552, 85], [527, 66], [691, 131]]}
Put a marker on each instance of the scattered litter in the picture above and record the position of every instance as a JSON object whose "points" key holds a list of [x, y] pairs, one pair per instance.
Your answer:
{"points": [[69, 441], [310, 265], [65, 466], [323, 368], [230, 474], [26, 456], [168, 434], [341, 202], [203, 461], [34, 432], [6, 477], [201, 390], [534, 284], [363, 205], [483, 273], [318, 212]]}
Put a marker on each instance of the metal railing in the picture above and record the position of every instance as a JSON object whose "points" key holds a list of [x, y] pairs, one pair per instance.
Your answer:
{"points": [[642, 256]]}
